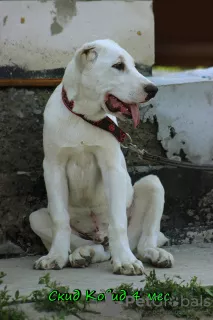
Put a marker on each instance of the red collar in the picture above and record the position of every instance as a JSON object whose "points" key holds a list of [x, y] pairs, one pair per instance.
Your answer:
{"points": [[106, 123]]}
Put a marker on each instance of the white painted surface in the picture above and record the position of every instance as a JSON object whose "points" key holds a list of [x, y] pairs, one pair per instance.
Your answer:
{"points": [[184, 75], [31, 45], [186, 104]]}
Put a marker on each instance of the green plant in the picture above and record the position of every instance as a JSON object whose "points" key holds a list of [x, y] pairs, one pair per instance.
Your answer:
{"points": [[176, 293], [174, 289], [9, 304]]}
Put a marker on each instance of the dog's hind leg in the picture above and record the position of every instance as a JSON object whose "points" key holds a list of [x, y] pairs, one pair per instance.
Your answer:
{"points": [[144, 226], [41, 224], [84, 251]]}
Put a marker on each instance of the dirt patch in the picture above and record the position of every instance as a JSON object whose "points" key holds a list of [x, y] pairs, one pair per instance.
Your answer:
{"points": [[21, 179]]}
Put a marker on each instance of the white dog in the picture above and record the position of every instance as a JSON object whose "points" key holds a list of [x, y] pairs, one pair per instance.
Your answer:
{"points": [[90, 196]]}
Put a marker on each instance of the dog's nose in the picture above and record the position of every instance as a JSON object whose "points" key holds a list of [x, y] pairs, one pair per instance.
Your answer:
{"points": [[151, 91]]}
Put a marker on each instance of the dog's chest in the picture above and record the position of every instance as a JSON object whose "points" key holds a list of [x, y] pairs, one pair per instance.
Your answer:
{"points": [[84, 179]]}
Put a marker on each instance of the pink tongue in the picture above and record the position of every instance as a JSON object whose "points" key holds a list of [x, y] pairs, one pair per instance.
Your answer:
{"points": [[133, 108], [135, 114]]}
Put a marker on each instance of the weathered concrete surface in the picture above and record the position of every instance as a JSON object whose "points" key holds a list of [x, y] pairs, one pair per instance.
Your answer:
{"points": [[183, 109], [190, 260], [51, 41], [123, 315], [189, 205]]}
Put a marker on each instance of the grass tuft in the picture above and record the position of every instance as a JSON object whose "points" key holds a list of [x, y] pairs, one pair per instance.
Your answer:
{"points": [[169, 296]]}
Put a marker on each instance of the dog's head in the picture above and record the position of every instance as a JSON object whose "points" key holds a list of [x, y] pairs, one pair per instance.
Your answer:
{"points": [[103, 72]]}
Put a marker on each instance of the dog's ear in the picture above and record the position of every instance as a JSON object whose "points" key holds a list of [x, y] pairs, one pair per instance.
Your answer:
{"points": [[72, 76], [86, 54]]}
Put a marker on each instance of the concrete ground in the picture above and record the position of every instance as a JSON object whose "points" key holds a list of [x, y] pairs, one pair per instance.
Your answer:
{"points": [[190, 260]]}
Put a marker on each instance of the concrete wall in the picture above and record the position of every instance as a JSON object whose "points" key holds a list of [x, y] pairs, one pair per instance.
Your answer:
{"points": [[183, 109], [37, 35]]}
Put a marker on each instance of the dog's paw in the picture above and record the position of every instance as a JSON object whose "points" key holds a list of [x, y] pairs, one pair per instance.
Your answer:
{"points": [[128, 265], [158, 257], [51, 262], [82, 257]]}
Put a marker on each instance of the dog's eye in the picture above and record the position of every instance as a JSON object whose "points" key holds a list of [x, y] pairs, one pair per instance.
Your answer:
{"points": [[119, 66]]}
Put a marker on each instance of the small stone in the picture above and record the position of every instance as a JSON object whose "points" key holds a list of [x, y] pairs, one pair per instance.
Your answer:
{"points": [[29, 92], [23, 173], [190, 212], [209, 216], [10, 248], [37, 111], [165, 217]]}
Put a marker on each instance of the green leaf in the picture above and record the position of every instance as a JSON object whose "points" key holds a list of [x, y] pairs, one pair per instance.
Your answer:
{"points": [[209, 292], [17, 294]]}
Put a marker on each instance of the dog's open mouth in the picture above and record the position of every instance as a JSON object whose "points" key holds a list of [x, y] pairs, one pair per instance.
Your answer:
{"points": [[129, 110]]}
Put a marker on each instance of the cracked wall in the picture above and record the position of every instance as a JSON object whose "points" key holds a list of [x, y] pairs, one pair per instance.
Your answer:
{"points": [[183, 109], [47, 33]]}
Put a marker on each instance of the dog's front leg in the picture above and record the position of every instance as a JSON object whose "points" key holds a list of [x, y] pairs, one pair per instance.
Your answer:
{"points": [[57, 192], [115, 183]]}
